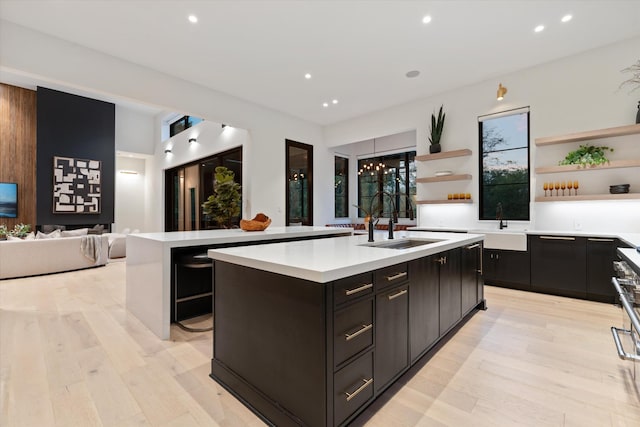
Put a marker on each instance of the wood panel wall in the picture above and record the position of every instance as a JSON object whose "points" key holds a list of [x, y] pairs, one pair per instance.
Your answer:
{"points": [[18, 149]]}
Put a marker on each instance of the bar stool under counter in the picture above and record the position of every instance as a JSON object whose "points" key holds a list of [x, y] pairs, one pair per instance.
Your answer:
{"points": [[192, 286]]}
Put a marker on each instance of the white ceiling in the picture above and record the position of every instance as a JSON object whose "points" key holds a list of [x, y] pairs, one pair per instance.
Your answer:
{"points": [[357, 51]]}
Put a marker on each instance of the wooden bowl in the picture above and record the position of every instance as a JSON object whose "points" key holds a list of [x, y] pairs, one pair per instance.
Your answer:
{"points": [[259, 223]]}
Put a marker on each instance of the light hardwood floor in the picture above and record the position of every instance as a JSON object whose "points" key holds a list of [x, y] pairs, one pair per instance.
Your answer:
{"points": [[71, 355]]}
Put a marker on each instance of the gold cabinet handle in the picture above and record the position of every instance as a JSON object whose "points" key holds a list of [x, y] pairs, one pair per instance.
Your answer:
{"points": [[557, 238], [365, 328], [397, 294], [473, 246], [596, 239], [396, 276], [348, 292], [366, 383]]}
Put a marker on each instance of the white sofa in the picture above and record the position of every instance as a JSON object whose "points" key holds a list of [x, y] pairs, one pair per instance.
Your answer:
{"points": [[20, 258]]}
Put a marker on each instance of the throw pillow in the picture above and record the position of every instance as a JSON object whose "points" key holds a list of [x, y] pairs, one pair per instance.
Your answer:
{"points": [[75, 233], [9, 237], [97, 229], [53, 235], [30, 236], [48, 228]]}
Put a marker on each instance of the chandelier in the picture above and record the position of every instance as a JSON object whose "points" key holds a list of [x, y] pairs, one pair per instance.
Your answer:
{"points": [[372, 168]]}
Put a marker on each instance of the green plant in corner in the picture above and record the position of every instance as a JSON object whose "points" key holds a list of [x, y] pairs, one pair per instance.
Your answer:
{"points": [[435, 131], [224, 204], [587, 155]]}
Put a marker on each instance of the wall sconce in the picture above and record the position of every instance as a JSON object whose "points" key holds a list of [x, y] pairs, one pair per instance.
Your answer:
{"points": [[501, 92], [167, 151], [224, 126], [192, 140], [128, 172]]}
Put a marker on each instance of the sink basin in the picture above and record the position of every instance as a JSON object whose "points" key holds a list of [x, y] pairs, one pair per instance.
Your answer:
{"points": [[400, 243], [505, 240]]}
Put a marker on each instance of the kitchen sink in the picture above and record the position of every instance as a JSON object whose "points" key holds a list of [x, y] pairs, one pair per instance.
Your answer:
{"points": [[400, 243]]}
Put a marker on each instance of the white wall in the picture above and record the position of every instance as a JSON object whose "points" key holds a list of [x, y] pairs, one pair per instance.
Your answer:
{"points": [[574, 94], [130, 193]]}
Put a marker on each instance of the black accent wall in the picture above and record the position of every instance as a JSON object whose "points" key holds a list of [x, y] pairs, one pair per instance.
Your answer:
{"points": [[83, 128]]}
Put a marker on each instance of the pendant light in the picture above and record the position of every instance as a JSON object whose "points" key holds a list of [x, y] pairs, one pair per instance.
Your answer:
{"points": [[372, 168]]}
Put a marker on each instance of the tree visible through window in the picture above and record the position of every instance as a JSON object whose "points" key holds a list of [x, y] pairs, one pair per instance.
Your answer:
{"points": [[341, 190], [504, 166]]}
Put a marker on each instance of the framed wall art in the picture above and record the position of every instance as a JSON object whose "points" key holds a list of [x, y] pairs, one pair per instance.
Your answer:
{"points": [[76, 185]]}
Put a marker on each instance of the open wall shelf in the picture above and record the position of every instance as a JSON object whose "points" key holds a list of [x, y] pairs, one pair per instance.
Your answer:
{"points": [[589, 135], [462, 177], [614, 164], [434, 202], [444, 155], [626, 196]]}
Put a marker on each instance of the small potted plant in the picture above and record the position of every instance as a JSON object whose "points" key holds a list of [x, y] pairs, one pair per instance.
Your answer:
{"points": [[436, 131], [3, 232], [224, 204]]}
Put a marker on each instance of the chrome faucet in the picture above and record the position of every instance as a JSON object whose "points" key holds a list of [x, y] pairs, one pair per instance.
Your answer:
{"points": [[499, 216]]}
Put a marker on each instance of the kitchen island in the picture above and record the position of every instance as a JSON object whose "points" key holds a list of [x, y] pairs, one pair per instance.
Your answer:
{"points": [[311, 332], [151, 258]]}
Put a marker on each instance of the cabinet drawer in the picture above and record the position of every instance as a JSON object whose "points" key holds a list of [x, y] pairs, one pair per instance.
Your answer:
{"points": [[393, 275], [353, 387], [353, 330], [352, 287]]}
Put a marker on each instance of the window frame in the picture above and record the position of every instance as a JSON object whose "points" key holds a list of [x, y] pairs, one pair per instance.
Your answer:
{"points": [[408, 208], [481, 156], [345, 185]]}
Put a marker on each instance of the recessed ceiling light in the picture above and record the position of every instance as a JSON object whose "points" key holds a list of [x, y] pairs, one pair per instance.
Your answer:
{"points": [[335, 101], [307, 76], [538, 28], [193, 19], [566, 18], [413, 73], [325, 104], [426, 19]]}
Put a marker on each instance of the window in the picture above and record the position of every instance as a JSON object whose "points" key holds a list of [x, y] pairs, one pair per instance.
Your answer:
{"points": [[183, 123], [341, 191], [397, 179], [299, 196], [504, 166]]}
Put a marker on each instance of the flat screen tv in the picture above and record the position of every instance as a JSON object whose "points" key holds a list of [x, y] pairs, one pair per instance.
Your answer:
{"points": [[8, 200]]}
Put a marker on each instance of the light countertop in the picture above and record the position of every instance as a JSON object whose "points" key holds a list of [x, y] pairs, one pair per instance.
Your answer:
{"points": [[632, 239], [235, 235], [632, 256], [324, 260]]}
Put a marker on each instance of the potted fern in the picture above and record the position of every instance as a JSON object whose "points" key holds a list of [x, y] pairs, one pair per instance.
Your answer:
{"points": [[436, 131]]}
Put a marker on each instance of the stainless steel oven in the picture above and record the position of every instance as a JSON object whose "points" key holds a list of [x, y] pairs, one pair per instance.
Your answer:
{"points": [[627, 338]]}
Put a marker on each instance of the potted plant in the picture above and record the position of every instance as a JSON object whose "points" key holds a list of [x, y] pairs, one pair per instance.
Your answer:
{"points": [[436, 131], [3, 232], [224, 204], [587, 155]]}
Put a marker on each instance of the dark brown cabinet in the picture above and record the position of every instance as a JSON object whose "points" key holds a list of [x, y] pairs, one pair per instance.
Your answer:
{"points": [[450, 289], [305, 353], [601, 252], [471, 287], [559, 265], [424, 314], [392, 335], [506, 268]]}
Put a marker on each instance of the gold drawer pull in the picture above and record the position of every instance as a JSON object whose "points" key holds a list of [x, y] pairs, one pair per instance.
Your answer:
{"points": [[348, 292], [595, 239], [366, 384], [396, 276], [396, 295], [473, 246], [365, 328], [557, 238]]}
